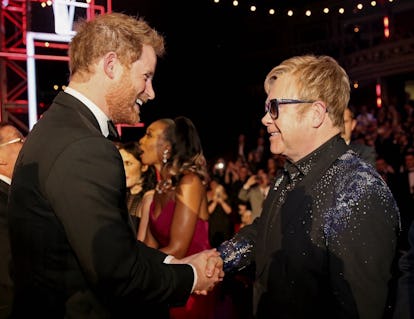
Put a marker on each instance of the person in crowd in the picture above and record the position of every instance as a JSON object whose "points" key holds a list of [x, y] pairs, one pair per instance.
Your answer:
{"points": [[404, 305], [239, 175], [403, 187], [245, 213], [255, 191], [218, 171], [74, 251], [219, 207], [232, 171], [326, 239], [387, 172], [242, 147], [366, 152], [178, 215], [274, 166], [140, 181], [11, 141]]}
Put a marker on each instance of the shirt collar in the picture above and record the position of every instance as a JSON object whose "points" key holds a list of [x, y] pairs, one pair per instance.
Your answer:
{"points": [[304, 166], [96, 111], [5, 179]]}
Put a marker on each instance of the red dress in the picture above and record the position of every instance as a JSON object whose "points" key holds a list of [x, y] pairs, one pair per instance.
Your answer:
{"points": [[197, 306]]}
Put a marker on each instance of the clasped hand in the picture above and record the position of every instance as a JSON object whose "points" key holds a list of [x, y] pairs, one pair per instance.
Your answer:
{"points": [[209, 267]]}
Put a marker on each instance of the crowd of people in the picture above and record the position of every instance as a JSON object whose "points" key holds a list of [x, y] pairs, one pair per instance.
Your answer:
{"points": [[309, 222]]}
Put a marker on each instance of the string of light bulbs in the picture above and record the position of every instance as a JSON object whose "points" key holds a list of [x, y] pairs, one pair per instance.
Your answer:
{"points": [[346, 7]]}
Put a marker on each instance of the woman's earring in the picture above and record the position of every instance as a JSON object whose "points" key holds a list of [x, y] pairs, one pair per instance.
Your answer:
{"points": [[164, 156]]}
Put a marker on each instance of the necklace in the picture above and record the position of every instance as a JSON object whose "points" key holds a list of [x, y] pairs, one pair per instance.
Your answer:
{"points": [[163, 185]]}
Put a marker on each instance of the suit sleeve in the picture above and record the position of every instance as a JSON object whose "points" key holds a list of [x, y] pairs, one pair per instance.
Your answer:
{"points": [[362, 240], [239, 251], [243, 194], [86, 187]]}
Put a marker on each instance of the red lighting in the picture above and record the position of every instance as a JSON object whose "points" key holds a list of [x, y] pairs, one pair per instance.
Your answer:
{"points": [[378, 93], [386, 22], [386, 27], [120, 126], [378, 90], [379, 102]]}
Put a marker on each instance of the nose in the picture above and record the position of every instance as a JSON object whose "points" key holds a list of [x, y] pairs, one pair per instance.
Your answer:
{"points": [[266, 119], [149, 90]]}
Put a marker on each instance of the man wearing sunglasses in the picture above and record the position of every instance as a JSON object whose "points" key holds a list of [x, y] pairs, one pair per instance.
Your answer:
{"points": [[11, 140], [326, 238]]}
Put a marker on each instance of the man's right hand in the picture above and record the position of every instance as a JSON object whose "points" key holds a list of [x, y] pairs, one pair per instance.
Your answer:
{"points": [[209, 268]]}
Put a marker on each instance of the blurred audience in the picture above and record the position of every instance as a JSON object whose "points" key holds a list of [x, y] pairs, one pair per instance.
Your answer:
{"points": [[245, 214], [365, 151], [404, 194], [220, 224], [255, 191]]}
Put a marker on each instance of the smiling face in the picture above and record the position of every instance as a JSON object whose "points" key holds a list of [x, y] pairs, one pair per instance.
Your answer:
{"points": [[135, 84], [291, 131]]}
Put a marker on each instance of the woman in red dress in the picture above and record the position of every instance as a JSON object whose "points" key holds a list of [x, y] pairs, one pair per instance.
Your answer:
{"points": [[178, 215]]}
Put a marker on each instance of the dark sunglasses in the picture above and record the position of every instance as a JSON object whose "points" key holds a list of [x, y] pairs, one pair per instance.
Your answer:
{"points": [[272, 107]]}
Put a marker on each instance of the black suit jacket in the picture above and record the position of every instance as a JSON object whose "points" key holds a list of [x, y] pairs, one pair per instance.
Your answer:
{"points": [[74, 250], [327, 252]]}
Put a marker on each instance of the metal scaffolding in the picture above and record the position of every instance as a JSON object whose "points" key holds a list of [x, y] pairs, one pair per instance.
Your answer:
{"points": [[18, 45]]}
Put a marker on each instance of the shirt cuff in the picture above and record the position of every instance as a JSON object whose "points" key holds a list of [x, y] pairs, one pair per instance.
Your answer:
{"points": [[168, 259], [195, 277]]}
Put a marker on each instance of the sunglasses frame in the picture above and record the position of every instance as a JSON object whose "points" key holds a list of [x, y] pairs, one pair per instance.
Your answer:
{"points": [[15, 140], [272, 106]]}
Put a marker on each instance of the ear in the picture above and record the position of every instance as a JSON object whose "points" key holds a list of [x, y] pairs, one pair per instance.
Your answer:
{"points": [[319, 113], [109, 63], [144, 168], [354, 123]]}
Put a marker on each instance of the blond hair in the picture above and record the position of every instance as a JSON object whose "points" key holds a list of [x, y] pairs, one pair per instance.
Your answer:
{"points": [[117, 32], [316, 78]]}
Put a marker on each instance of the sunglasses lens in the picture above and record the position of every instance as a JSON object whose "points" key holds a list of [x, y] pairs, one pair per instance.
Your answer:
{"points": [[273, 109]]}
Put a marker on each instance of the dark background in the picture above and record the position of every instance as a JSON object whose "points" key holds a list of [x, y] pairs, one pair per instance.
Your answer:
{"points": [[204, 75], [218, 56]]}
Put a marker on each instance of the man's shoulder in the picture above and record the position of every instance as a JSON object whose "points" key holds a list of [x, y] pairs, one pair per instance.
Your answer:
{"points": [[366, 152], [361, 147]]}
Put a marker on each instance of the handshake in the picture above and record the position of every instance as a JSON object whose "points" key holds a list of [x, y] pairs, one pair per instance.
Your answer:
{"points": [[208, 267]]}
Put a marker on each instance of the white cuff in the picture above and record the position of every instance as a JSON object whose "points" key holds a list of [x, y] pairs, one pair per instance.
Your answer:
{"points": [[195, 278], [168, 259]]}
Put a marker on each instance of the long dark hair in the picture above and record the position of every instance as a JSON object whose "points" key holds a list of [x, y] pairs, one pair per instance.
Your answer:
{"points": [[186, 154]]}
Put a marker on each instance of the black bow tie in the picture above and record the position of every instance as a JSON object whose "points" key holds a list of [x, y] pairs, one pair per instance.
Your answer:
{"points": [[113, 132]]}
